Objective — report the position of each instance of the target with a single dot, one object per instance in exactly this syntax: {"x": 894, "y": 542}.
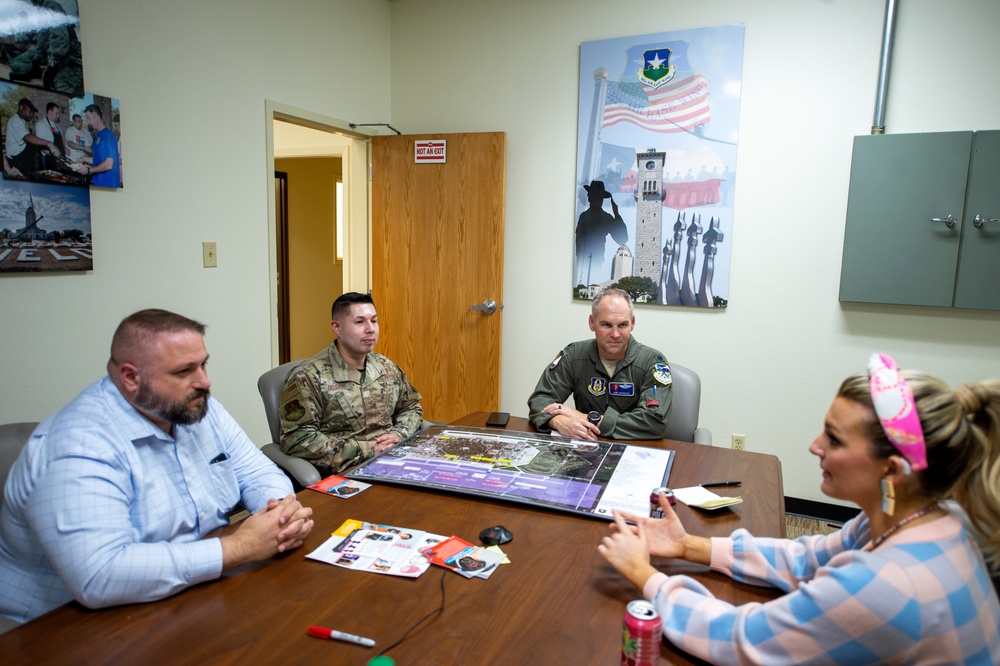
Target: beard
{"x": 181, "y": 412}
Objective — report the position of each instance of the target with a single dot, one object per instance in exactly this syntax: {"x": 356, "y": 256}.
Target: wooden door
{"x": 437, "y": 250}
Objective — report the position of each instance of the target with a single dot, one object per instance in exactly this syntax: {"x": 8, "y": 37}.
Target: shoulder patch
{"x": 293, "y": 410}
{"x": 555, "y": 361}
{"x": 661, "y": 373}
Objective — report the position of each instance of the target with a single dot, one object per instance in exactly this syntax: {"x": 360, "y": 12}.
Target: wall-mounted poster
{"x": 656, "y": 165}
{"x": 51, "y": 138}
{"x": 40, "y": 44}
{"x": 44, "y": 228}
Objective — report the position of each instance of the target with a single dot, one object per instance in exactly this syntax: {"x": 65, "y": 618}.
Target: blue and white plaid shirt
{"x": 104, "y": 507}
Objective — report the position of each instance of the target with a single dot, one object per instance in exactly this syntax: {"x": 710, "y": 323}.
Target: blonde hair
{"x": 962, "y": 431}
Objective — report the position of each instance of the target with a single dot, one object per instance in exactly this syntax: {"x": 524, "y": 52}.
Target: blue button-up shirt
{"x": 104, "y": 507}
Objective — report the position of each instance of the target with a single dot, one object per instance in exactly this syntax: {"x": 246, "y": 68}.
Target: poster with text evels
{"x": 44, "y": 228}
{"x": 656, "y": 166}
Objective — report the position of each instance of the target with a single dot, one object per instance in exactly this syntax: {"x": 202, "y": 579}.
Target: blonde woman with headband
{"x": 904, "y": 582}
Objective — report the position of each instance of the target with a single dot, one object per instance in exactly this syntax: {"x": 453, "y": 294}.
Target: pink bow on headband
{"x": 896, "y": 410}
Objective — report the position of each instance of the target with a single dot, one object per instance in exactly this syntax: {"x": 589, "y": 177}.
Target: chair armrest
{"x": 703, "y": 436}
{"x": 302, "y": 471}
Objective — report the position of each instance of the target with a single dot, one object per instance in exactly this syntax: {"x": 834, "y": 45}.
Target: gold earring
{"x": 888, "y": 496}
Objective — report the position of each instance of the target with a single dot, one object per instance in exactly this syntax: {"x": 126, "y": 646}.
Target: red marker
{"x": 321, "y": 632}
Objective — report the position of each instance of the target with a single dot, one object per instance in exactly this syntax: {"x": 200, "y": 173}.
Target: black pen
{"x": 720, "y": 483}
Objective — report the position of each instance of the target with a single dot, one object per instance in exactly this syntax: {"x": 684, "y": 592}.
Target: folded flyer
{"x": 377, "y": 548}
{"x": 339, "y": 486}
{"x": 464, "y": 558}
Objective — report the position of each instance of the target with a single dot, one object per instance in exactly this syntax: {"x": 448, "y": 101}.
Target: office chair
{"x": 300, "y": 471}
{"x": 13, "y": 437}
{"x": 683, "y": 424}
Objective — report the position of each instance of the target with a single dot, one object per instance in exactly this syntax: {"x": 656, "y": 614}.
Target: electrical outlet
{"x": 739, "y": 442}
{"x": 209, "y": 254}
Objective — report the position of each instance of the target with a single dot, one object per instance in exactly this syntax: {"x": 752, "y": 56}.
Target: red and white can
{"x": 654, "y": 501}
{"x": 641, "y": 635}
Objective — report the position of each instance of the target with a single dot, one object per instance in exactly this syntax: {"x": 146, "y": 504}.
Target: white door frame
{"x": 356, "y": 155}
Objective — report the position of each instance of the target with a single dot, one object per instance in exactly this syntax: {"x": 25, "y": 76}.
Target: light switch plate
{"x": 209, "y": 254}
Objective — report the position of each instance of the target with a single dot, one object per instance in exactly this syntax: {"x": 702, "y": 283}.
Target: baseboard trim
{"x": 821, "y": 510}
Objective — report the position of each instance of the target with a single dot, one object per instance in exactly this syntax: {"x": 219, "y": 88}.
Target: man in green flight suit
{"x": 347, "y": 403}
{"x": 622, "y": 385}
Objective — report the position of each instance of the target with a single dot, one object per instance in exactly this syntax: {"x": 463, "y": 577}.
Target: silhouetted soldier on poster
{"x": 592, "y": 230}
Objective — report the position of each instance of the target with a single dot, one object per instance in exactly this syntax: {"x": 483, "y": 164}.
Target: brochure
{"x": 464, "y": 558}
{"x": 339, "y": 486}
{"x": 377, "y": 548}
{"x": 702, "y": 498}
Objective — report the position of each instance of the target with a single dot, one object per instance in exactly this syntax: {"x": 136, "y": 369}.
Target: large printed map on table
{"x": 589, "y": 478}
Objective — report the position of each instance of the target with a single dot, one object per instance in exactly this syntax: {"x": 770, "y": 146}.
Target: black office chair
{"x": 686, "y": 406}
{"x": 300, "y": 471}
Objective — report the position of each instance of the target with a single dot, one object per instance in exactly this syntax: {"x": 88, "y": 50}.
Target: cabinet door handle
{"x": 948, "y": 221}
{"x": 978, "y": 221}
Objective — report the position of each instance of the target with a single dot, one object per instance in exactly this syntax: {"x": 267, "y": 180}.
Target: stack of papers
{"x": 464, "y": 558}
{"x": 703, "y": 498}
{"x": 377, "y": 548}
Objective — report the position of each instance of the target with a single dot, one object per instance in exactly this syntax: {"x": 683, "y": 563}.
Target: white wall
{"x": 192, "y": 78}
{"x": 772, "y": 362}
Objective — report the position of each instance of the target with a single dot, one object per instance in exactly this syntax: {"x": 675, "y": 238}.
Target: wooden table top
{"x": 557, "y": 602}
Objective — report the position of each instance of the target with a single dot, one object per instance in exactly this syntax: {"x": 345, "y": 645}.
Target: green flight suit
{"x": 330, "y": 413}
{"x": 635, "y": 402}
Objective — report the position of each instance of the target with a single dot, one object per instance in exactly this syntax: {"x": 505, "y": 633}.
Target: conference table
{"x": 557, "y": 602}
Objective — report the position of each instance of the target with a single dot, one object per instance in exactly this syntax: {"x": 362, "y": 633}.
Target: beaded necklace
{"x": 892, "y": 530}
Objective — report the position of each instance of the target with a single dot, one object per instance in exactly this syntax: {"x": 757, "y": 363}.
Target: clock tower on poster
{"x": 649, "y": 214}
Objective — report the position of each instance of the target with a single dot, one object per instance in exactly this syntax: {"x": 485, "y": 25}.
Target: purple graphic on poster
{"x": 591, "y": 478}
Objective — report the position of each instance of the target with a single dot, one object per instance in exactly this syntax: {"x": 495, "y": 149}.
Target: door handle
{"x": 948, "y": 221}
{"x": 489, "y": 307}
{"x": 978, "y": 221}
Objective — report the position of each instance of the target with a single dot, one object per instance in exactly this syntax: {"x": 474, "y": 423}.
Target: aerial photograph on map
{"x": 533, "y": 468}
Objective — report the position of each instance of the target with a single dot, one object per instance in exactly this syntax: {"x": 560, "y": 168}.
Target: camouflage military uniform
{"x": 635, "y": 402}
{"x": 330, "y": 414}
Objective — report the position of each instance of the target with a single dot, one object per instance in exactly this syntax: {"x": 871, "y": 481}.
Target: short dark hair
{"x": 345, "y": 301}
{"x": 136, "y": 332}
{"x": 77, "y": 115}
{"x": 50, "y": 106}
{"x": 93, "y": 108}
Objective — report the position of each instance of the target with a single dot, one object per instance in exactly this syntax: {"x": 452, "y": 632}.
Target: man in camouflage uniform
{"x": 623, "y": 383}
{"x": 347, "y": 403}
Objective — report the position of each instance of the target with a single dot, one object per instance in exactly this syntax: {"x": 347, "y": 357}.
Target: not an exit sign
{"x": 431, "y": 151}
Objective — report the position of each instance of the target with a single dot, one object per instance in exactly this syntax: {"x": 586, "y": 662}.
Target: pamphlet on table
{"x": 377, "y": 548}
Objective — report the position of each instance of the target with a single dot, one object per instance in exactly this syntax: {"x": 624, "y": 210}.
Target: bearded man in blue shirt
{"x": 111, "y": 499}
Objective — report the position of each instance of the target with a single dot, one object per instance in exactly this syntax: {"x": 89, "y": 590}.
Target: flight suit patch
{"x": 661, "y": 373}
{"x": 598, "y": 385}
{"x": 555, "y": 361}
{"x": 622, "y": 388}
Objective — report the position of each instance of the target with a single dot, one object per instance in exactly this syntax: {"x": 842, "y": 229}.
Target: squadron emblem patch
{"x": 555, "y": 361}
{"x": 661, "y": 373}
{"x": 598, "y": 385}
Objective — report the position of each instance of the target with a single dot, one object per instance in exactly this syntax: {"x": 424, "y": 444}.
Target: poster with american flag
{"x": 656, "y": 165}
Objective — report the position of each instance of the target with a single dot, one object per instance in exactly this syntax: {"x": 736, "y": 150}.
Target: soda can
{"x": 641, "y": 635}
{"x": 654, "y": 501}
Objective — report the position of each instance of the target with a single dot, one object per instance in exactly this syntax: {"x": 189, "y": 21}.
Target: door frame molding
{"x": 357, "y": 194}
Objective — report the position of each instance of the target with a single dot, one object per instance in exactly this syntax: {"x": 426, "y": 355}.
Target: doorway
{"x": 312, "y": 261}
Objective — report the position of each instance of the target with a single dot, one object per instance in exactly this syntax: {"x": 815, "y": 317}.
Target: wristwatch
{"x": 594, "y": 417}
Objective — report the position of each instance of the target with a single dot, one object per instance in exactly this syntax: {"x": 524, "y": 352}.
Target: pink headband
{"x": 896, "y": 410}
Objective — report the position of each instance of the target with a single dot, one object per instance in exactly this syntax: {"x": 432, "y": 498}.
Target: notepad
{"x": 703, "y": 498}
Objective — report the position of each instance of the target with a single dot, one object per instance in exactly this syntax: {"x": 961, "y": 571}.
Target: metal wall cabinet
{"x": 898, "y": 245}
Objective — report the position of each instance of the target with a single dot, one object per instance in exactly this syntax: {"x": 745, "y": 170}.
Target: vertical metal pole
{"x": 878, "y": 124}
